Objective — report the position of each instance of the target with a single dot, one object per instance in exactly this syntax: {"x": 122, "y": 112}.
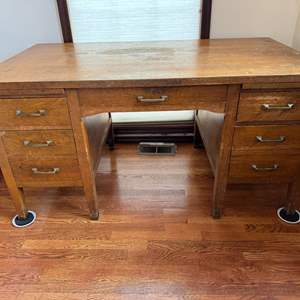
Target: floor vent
{"x": 157, "y": 148}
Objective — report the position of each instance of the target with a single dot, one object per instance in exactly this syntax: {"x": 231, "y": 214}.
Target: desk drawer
{"x": 152, "y": 99}
{"x": 47, "y": 173}
{"x": 277, "y": 106}
{"x": 263, "y": 167}
{"x": 41, "y": 143}
{"x": 34, "y": 113}
{"x": 267, "y": 137}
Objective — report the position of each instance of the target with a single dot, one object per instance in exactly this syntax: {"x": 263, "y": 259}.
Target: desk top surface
{"x": 190, "y": 62}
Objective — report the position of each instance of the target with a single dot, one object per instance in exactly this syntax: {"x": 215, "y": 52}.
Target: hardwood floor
{"x": 154, "y": 240}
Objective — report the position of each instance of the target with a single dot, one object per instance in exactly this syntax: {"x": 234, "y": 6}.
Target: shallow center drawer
{"x": 152, "y": 99}
{"x": 39, "y": 143}
{"x": 34, "y": 113}
{"x": 276, "y": 106}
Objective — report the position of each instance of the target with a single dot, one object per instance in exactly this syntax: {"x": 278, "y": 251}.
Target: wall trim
{"x": 206, "y": 19}
{"x": 65, "y": 23}
{"x": 66, "y": 29}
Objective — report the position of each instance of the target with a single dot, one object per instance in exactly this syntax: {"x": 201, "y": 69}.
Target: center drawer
{"x": 41, "y": 143}
{"x": 152, "y": 99}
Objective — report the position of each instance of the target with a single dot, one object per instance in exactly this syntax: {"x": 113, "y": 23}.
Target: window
{"x": 134, "y": 20}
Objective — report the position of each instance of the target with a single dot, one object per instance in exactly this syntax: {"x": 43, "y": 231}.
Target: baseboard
{"x": 171, "y": 131}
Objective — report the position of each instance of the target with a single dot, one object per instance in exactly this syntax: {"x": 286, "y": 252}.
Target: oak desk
{"x": 55, "y": 101}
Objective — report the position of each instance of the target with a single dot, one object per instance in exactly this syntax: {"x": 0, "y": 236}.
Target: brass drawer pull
{"x": 258, "y": 169}
{"x": 268, "y": 107}
{"x": 261, "y": 139}
{"x": 50, "y": 172}
{"x": 38, "y": 145}
{"x": 145, "y": 100}
{"x": 39, "y": 113}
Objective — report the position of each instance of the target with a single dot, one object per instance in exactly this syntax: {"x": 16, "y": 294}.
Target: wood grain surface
{"x": 68, "y": 175}
{"x": 271, "y": 138}
{"x": 56, "y": 114}
{"x": 155, "y": 239}
{"x": 83, "y": 148}
{"x": 224, "y": 153}
{"x": 251, "y": 106}
{"x": 161, "y": 63}
{"x": 62, "y": 143}
{"x": 285, "y": 166}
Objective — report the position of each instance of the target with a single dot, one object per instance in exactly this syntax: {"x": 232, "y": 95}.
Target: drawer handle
{"x": 38, "y": 145}
{"x": 268, "y": 107}
{"x": 263, "y": 169}
{"x": 50, "y": 172}
{"x": 39, "y": 113}
{"x": 261, "y": 139}
{"x": 145, "y": 100}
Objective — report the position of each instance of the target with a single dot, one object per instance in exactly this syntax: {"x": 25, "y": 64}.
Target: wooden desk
{"x": 55, "y": 100}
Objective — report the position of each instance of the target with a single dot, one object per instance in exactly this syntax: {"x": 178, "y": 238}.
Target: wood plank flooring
{"x": 155, "y": 239}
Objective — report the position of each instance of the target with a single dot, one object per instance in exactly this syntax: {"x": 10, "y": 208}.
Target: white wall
{"x": 296, "y": 43}
{"x": 255, "y": 18}
{"x": 27, "y": 22}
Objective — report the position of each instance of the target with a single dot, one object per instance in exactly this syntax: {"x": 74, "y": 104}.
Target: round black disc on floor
{"x": 287, "y": 217}
{"x": 20, "y": 222}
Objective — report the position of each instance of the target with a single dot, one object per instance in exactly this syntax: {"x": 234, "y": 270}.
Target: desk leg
{"x": 289, "y": 213}
{"x": 222, "y": 167}
{"x": 83, "y": 154}
{"x": 24, "y": 217}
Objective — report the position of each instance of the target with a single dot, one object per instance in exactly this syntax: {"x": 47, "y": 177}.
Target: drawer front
{"x": 43, "y": 143}
{"x": 264, "y": 167}
{"x": 34, "y": 113}
{"x": 279, "y": 106}
{"x": 267, "y": 137}
{"x": 151, "y": 99}
{"x": 47, "y": 173}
